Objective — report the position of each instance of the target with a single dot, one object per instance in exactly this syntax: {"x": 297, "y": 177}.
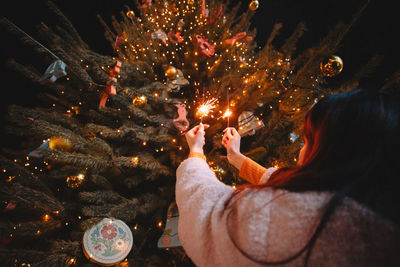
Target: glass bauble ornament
{"x": 331, "y": 66}
{"x": 254, "y": 5}
{"x": 74, "y": 181}
{"x": 171, "y": 72}
{"x": 130, "y": 14}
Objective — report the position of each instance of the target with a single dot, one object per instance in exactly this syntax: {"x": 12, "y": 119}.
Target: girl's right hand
{"x": 231, "y": 141}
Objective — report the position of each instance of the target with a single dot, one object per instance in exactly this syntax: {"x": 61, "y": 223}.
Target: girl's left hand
{"x": 195, "y": 138}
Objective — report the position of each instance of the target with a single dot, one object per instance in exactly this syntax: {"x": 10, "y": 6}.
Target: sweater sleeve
{"x": 254, "y": 173}
{"x": 200, "y": 198}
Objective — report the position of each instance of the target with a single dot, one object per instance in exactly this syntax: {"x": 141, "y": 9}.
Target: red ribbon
{"x": 204, "y": 10}
{"x": 111, "y": 89}
{"x": 146, "y": 4}
{"x": 117, "y": 39}
{"x": 239, "y": 36}
{"x": 175, "y": 38}
{"x": 211, "y": 20}
{"x": 205, "y": 48}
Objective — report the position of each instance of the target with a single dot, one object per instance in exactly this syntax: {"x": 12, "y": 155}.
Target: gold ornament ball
{"x": 60, "y": 144}
{"x": 139, "y": 100}
{"x": 331, "y": 66}
{"x": 74, "y": 181}
{"x": 254, "y": 5}
{"x": 130, "y": 14}
{"x": 171, "y": 72}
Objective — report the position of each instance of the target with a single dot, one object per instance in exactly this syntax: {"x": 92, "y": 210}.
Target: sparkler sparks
{"x": 206, "y": 108}
{"x": 227, "y": 113}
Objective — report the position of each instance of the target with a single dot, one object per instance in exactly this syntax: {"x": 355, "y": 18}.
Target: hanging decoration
{"x": 180, "y": 25}
{"x": 239, "y": 36}
{"x": 212, "y": 20}
{"x": 181, "y": 123}
{"x": 11, "y": 205}
{"x": 61, "y": 144}
{"x": 175, "y": 84}
{"x": 53, "y": 143}
{"x": 170, "y": 238}
{"x": 293, "y": 137}
{"x": 248, "y": 123}
{"x": 74, "y": 181}
{"x": 111, "y": 84}
{"x": 205, "y": 48}
{"x": 55, "y": 70}
{"x": 171, "y": 72}
{"x": 160, "y": 34}
{"x": 204, "y": 9}
{"x": 130, "y": 14}
{"x": 254, "y": 5}
{"x": 139, "y": 100}
{"x": 107, "y": 242}
{"x": 175, "y": 38}
{"x": 36, "y": 153}
{"x": 117, "y": 41}
{"x": 146, "y": 4}
{"x": 331, "y": 66}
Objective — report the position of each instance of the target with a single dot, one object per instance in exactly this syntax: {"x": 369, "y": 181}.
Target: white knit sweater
{"x": 272, "y": 225}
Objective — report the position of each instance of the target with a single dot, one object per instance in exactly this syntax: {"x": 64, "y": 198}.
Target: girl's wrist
{"x": 236, "y": 159}
{"x": 196, "y": 150}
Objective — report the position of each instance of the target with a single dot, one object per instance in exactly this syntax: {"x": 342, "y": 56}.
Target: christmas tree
{"x": 108, "y": 134}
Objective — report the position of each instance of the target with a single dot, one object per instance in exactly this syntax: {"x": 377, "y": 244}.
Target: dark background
{"x": 373, "y": 33}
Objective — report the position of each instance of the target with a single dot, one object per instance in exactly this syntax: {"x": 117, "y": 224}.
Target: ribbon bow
{"x": 211, "y": 20}
{"x": 205, "y": 48}
{"x": 111, "y": 84}
{"x": 175, "y": 38}
{"x": 204, "y": 10}
{"x": 146, "y": 4}
{"x": 239, "y": 36}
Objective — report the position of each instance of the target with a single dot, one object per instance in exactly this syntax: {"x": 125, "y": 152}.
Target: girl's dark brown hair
{"x": 352, "y": 149}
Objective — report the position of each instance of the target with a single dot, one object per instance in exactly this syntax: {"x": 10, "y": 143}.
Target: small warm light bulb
{"x": 135, "y": 160}
{"x": 159, "y": 224}
{"x": 46, "y": 218}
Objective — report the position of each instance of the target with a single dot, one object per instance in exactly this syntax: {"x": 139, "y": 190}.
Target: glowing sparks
{"x": 227, "y": 113}
{"x": 206, "y": 108}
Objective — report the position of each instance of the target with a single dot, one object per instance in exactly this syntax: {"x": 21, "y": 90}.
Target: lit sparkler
{"x": 227, "y": 113}
{"x": 206, "y": 108}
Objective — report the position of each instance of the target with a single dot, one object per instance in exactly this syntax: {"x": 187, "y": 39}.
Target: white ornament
{"x": 108, "y": 242}
{"x": 170, "y": 236}
{"x": 248, "y": 123}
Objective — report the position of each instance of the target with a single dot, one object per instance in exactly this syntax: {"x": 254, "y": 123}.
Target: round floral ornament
{"x": 107, "y": 242}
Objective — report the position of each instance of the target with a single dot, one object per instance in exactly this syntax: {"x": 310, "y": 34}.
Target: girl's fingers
{"x": 235, "y": 132}
{"x": 229, "y": 133}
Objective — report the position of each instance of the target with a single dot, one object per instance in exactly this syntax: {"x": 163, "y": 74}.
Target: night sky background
{"x": 375, "y": 32}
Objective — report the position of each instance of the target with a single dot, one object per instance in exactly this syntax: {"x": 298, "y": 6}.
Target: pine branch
{"x": 67, "y": 24}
